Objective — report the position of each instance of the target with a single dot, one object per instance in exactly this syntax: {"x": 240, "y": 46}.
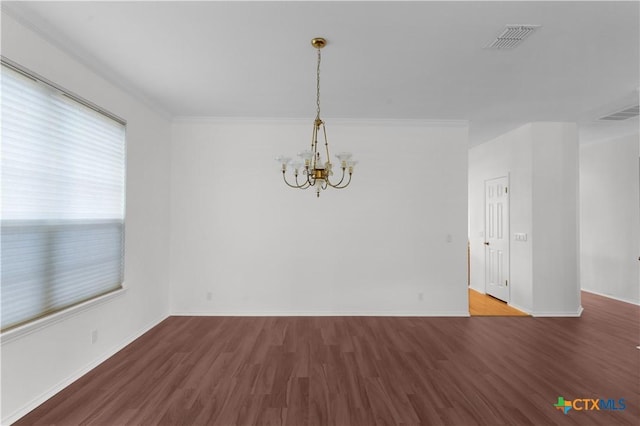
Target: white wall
{"x": 36, "y": 365}
{"x": 261, "y": 248}
{"x": 609, "y": 218}
{"x": 555, "y": 231}
{"x": 541, "y": 160}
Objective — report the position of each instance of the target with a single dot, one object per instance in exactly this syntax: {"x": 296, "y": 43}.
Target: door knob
{"x": 486, "y": 243}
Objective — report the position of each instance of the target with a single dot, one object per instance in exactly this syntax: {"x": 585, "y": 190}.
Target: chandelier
{"x": 316, "y": 172}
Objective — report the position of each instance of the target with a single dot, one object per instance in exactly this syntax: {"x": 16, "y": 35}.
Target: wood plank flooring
{"x": 485, "y": 305}
{"x": 363, "y": 371}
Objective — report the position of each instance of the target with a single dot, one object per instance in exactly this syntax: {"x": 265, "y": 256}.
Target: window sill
{"x": 39, "y": 324}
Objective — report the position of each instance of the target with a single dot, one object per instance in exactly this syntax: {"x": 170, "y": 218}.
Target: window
{"x": 62, "y": 213}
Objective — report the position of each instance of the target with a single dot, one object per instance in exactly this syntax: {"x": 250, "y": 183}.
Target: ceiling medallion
{"x": 316, "y": 172}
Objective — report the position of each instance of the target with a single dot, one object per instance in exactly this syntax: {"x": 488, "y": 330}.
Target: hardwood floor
{"x": 364, "y": 371}
{"x": 487, "y": 306}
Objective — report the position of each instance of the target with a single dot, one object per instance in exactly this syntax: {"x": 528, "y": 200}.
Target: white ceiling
{"x": 387, "y": 60}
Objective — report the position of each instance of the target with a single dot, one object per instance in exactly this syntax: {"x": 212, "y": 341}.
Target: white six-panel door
{"x": 497, "y": 237}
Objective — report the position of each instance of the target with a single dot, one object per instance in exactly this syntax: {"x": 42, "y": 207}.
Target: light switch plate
{"x": 518, "y": 236}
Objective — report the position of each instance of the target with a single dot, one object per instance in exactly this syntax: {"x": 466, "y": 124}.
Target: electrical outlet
{"x": 209, "y": 295}
{"x": 449, "y": 238}
{"x": 421, "y": 296}
{"x": 94, "y": 336}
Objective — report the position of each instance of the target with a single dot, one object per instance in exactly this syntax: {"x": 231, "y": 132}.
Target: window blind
{"x": 63, "y": 193}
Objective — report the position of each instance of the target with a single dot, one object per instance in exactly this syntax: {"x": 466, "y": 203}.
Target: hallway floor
{"x": 483, "y": 305}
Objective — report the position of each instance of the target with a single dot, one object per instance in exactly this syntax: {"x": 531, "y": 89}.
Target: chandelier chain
{"x": 318, "y": 87}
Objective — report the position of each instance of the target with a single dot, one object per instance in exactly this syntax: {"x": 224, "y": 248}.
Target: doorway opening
{"x": 495, "y": 299}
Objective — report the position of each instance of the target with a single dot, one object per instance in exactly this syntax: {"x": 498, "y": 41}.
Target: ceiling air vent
{"x": 630, "y": 112}
{"x": 512, "y": 36}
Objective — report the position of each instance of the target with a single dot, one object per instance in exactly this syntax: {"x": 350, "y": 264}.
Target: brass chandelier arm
{"x": 341, "y": 179}
{"x": 284, "y": 177}
{"x": 343, "y": 186}
{"x": 307, "y": 183}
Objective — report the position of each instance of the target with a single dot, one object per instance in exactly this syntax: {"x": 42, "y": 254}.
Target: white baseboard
{"x": 322, "y": 314}
{"x": 637, "y": 303}
{"x": 558, "y": 314}
{"x": 49, "y": 393}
